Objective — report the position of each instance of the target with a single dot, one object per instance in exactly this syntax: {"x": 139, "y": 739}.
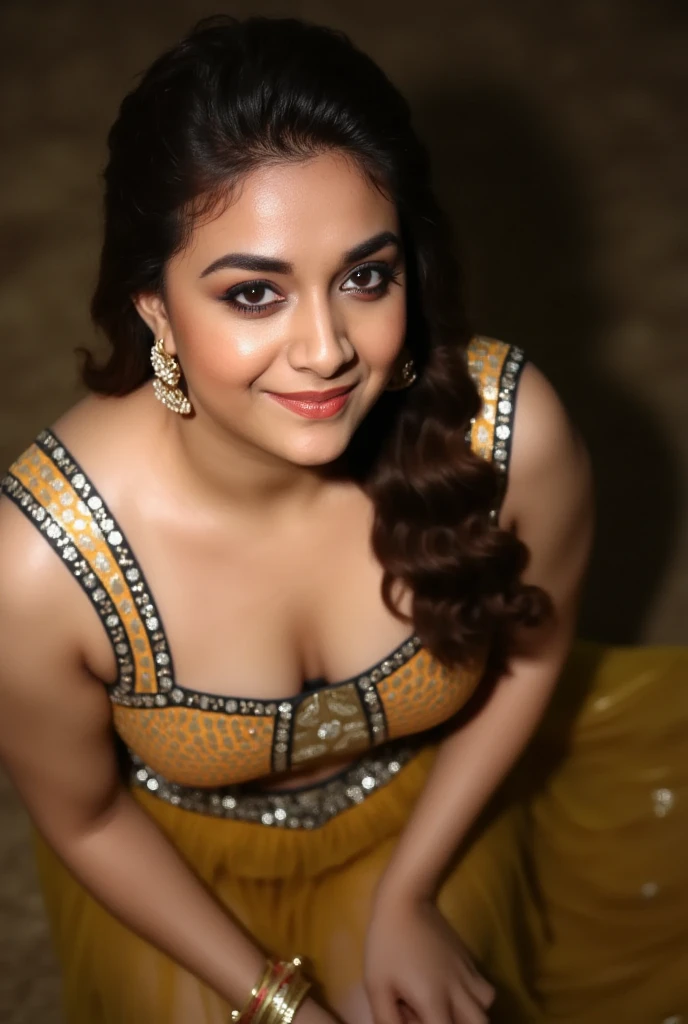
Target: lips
{"x": 313, "y": 396}
{"x": 314, "y": 405}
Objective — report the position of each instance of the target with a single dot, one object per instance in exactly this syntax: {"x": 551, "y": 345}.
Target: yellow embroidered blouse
{"x": 194, "y": 739}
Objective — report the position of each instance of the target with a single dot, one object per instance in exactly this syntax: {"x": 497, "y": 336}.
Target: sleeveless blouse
{"x": 195, "y": 748}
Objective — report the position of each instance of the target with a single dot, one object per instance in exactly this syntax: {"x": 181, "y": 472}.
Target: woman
{"x": 320, "y": 484}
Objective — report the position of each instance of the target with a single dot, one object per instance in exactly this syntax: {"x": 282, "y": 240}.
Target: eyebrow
{"x": 270, "y": 265}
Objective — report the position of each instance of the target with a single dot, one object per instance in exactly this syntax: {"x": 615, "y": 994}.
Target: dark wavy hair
{"x": 230, "y": 96}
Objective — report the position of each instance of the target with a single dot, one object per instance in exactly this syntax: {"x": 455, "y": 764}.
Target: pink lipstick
{"x": 314, "y": 405}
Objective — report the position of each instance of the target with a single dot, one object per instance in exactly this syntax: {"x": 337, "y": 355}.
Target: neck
{"x": 225, "y": 471}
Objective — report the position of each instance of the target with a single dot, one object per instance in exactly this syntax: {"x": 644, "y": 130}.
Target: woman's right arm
{"x": 56, "y": 742}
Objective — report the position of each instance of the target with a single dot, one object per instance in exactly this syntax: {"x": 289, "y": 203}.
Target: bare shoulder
{"x": 548, "y": 455}
{"x": 544, "y": 433}
{"x": 41, "y": 608}
{"x": 44, "y": 614}
{"x": 98, "y": 426}
{"x": 30, "y": 573}
{"x": 39, "y": 596}
{"x": 34, "y": 585}
{"x": 100, "y": 430}
{"x": 549, "y": 496}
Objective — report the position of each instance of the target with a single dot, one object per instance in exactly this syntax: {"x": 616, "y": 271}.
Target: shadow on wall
{"x": 528, "y": 246}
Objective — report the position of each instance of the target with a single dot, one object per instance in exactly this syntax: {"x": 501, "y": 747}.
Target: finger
{"x": 385, "y": 1005}
{"x": 470, "y": 963}
{"x": 407, "y": 1014}
{"x": 478, "y": 986}
{"x": 480, "y": 989}
{"x": 465, "y": 1009}
{"x": 428, "y": 1011}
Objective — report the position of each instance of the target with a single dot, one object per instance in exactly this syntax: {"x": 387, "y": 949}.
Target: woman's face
{"x": 294, "y": 291}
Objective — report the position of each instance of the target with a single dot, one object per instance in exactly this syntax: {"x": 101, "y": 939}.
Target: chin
{"x": 316, "y": 453}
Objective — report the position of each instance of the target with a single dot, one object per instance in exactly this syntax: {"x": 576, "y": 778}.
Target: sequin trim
{"x": 50, "y": 487}
{"x": 506, "y": 407}
{"x": 495, "y": 369}
{"x": 145, "y": 669}
{"x": 309, "y": 808}
{"x": 283, "y": 710}
{"x": 80, "y": 568}
{"x": 157, "y": 679}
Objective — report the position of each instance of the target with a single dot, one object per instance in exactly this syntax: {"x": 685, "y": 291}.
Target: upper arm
{"x": 549, "y": 497}
{"x": 55, "y": 727}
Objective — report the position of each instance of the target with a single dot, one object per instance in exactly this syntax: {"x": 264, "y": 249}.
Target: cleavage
{"x": 241, "y": 625}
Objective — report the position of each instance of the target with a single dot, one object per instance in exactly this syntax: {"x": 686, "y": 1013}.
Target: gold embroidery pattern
{"x": 195, "y": 738}
{"x": 196, "y": 748}
{"x": 424, "y": 694}
{"x": 329, "y": 723}
{"x": 76, "y": 523}
{"x": 372, "y": 706}
{"x": 190, "y": 737}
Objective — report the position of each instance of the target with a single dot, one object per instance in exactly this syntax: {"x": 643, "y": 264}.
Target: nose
{"x": 320, "y": 341}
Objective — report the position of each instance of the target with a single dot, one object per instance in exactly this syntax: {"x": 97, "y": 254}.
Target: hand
{"x": 311, "y": 1012}
{"x": 417, "y": 971}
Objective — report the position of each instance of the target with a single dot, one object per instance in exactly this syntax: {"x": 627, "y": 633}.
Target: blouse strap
{"x": 495, "y": 368}
{"x": 53, "y": 492}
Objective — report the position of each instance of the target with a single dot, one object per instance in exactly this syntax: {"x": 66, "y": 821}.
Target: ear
{"x": 151, "y": 308}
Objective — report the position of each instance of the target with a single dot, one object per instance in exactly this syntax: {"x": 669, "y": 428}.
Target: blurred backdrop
{"x": 561, "y": 152}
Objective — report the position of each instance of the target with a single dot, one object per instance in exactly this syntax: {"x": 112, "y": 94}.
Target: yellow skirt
{"x": 572, "y": 897}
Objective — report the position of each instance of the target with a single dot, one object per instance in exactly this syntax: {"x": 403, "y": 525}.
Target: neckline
{"x": 163, "y": 667}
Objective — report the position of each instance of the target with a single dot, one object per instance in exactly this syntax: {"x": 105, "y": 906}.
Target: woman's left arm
{"x": 549, "y": 504}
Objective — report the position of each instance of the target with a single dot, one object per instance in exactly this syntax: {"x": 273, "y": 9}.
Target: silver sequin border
{"x": 308, "y": 808}
{"x": 505, "y": 408}
{"x": 169, "y": 693}
{"x": 122, "y": 692}
{"x": 61, "y": 543}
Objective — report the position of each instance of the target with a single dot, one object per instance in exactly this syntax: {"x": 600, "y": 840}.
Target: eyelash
{"x": 388, "y": 274}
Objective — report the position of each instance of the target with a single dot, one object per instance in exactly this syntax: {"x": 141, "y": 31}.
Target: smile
{"x": 314, "y": 405}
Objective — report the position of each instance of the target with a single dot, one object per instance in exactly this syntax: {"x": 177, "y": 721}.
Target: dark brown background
{"x": 561, "y": 150}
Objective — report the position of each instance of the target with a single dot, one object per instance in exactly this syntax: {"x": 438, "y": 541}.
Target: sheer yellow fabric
{"x": 610, "y": 835}
{"x": 572, "y": 895}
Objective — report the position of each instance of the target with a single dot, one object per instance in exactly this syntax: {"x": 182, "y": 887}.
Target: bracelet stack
{"x": 277, "y": 996}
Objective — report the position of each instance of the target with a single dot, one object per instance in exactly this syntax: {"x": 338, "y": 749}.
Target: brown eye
{"x": 254, "y": 295}
{"x": 362, "y": 278}
{"x": 366, "y": 279}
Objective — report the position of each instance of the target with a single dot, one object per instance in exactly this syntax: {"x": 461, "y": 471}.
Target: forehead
{"x": 318, "y": 207}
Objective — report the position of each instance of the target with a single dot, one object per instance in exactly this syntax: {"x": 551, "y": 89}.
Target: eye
{"x": 253, "y": 296}
{"x": 368, "y": 279}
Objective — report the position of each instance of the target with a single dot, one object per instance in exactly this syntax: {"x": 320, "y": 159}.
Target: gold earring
{"x": 167, "y": 374}
{"x": 404, "y": 377}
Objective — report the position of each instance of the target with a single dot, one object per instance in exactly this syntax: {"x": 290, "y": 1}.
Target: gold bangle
{"x": 283, "y": 989}
{"x": 291, "y": 1000}
{"x": 246, "y": 1014}
{"x": 266, "y": 1011}
{"x": 296, "y": 999}
{"x": 278, "y": 1006}
{"x": 282, "y": 975}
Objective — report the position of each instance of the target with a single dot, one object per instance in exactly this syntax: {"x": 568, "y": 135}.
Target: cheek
{"x": 216, "y": 347}
{"x": 381, "y": 334}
